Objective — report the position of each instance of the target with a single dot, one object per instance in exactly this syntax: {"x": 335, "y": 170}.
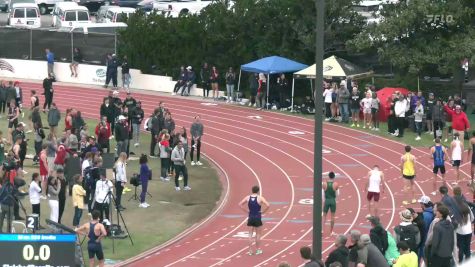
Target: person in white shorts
{"x": 456, "y": 149}
{"x": 373, "y": 189}
{"x": 366, "y": 106}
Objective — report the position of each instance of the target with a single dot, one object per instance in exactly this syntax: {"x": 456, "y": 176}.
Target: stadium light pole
{"x": 317, "y": 161}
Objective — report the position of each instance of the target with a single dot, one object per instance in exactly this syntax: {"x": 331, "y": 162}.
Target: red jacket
{"x": 108, "y": 125}
{"x": 61, "y": 153}
{"x": 459, "y": 120}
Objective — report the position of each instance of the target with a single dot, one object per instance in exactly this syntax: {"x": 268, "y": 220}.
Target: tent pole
{"x": 292, "y": 104}
{"x": 267, "y": 97}
{"x": 239, "y": 81}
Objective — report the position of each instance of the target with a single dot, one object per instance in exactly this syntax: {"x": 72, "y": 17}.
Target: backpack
{"x": 6, "y": 194}
{"x": 88, "y": 179}
{"x": 408, "y": 234}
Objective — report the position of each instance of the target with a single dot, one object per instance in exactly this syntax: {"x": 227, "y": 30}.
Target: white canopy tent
{"x": 333, "y": 67}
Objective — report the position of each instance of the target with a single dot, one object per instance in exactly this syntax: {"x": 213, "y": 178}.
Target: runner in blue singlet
{"x": 95, "y": 231}
{"x": 256, "y": 206}
{"x": 438, "y": 153}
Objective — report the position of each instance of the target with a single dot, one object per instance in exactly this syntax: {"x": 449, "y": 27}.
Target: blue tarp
{"x": 274, "y": 64}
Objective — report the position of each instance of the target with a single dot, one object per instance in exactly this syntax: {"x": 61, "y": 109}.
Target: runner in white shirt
{"x": 373, "y": 187}
{"x": 456, "y": 149}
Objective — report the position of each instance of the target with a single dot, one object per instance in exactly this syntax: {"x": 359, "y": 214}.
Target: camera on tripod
{"x": 135, "y": 180}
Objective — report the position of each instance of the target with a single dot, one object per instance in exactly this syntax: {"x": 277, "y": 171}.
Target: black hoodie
{"x": 379, "y": 238}
{"x": 443, "y": 239}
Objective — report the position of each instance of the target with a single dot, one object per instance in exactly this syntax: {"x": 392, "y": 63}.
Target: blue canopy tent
{"x": 271, "y": 65}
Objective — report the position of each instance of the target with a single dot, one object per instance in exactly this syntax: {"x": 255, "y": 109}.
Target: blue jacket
{"x": 50, "y": 58}
{"x": 428, "y": 216}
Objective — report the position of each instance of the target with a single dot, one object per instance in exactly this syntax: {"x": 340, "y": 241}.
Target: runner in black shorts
{"x": 256, "y": 206}
{"x": 95, "y": 231}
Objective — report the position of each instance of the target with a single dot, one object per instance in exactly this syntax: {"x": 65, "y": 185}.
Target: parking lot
{"x": 46, "y": 20}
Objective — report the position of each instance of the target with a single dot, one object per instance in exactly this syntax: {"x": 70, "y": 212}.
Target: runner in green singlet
{"x": 330, "y": 190}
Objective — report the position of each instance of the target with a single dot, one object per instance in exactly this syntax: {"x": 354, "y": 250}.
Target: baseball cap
{"x": 188, "y": 68}
{"x": 365, "y": 239}
{"x": 424, "y": 200}
{"x": 374, "y": 220}
{"x": 21, "y": 124}
{"x": 121, "y": 117}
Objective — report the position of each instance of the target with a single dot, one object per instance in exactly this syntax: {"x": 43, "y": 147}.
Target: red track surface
{"x": 261, "y": 151}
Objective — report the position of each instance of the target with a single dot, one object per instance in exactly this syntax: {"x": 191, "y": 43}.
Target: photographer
{"x": 102, "y": 197}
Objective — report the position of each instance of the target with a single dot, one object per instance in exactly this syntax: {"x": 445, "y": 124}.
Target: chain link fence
{"x": 31, "y": 44}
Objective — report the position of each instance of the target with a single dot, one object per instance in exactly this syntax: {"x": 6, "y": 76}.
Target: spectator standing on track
{"x": 154, "y": 131}
{"x": 428, "y": 108}
{"x": 379, "y": 236}
{"x": 428, "y": 217}
{"x": 327, "y": 95}
{"x": 48, "y": 91}
{"x": 460, "y": 122}
{"x": 343, "y": 100}
{"x": 256, "y": 206}
{"x": 438, "y": 119}
{"x": 366, "y": 106}
{"x": 50, "y": 61}
{"x": 253, "y": 85}
{"x": 214, "y": 80}
{"x": 137, "y": 117}
{"x": 442, "y": 239}
{"x": 145, "y": 175}
{"x": 306, "y": 254}
{"x": 230, "y": 81}
{"x": 196, "y": 131}
{"x": 368, "y": 253}
{"x": 418, "y": 220}
{"x": 438, "y": 153}
{"x": 330, "y": 190}
{"x": 261, "y": 92}
{"x": 77, "y": 58}
{"x": 125, "y": 69}
{"x": 448, "y": 117}
{"x": 408, "y": 172}
{"x": 464, "y": 231}
{"x": 418, "y": 116}
{"x": 353, "y": 247}
{"x": 205, "y": 80}
{"x": 456, "y": 151}
{"x": 340, "y": 253}
{"x": 392, "y": 252}
{"x": 373, "y": 187}
{"x": 400, "y": 109}
{"x": 355, "y": 107}
{"x": 178, "y": 158}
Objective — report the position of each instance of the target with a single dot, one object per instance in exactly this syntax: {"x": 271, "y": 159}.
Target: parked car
{"x": 119, "y": 14}
{"x": 12, "y": 2}
{"x": 4, "y": 5}
{"x": 24, "y": 15}
{"x": 70, "y": 16}
{"x": 102, "y": 12}
{"x": 109, "y": 28}
{"x": 125, "y": 3}
{"x": 174, "y": 8}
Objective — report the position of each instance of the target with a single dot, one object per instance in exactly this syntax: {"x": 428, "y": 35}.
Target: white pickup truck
{"x": 175, "y": 8}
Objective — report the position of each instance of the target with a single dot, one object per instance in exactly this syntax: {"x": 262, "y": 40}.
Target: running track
{"x": 260, "y": 150}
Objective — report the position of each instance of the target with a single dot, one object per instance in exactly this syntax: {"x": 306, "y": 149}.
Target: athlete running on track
{"x": 256, "y": 206}
{"x": 456, "y": 148}
{"x": 330, "y": 190}
{"x": 408, "y": 171}
{"x": 438, "y": 152}
{"x": 95, "y": 231}
{"x": 471, "y": 156}
{"x": 373, "y": 187}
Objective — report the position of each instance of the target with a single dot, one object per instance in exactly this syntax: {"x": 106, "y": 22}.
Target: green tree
{"x": 422, "y": 36}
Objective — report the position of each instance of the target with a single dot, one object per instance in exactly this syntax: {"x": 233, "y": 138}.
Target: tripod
{"x": 135, "y": 196}
{"x": 111, "y": 196}
{"x": 11, "y": 215}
